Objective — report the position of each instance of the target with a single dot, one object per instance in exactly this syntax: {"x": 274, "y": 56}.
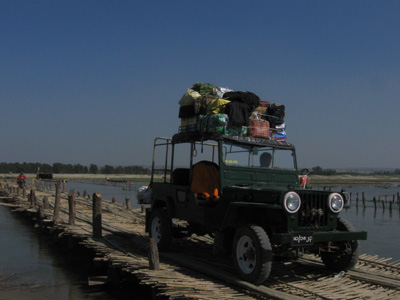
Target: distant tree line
{"x": 60, "y": 168}
{"x": 320, "y": 171}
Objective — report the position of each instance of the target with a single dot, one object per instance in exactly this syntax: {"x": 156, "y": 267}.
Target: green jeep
{"x": 246, "y": 193}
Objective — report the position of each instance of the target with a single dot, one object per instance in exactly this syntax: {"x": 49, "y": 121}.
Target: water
{"x": 109, "y": 190}
{"x": 383, "y": 226}
{"x": 32, "y": 268}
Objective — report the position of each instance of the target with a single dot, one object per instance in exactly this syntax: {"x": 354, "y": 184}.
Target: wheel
{"x": 252, "y": 253}
{"x": 161, "y": 228}
{"x": 345, "y": 254}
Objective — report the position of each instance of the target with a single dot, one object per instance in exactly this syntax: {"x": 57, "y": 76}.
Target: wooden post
{"x": 113, "y": 200}
{"x": 142, "y": 209}
{"x": 41, "y": 214}
{"x": 78, "y": 194}
{"x": 35, "y": 199}
{"x": 97, "y": 233}
{"x": 31, "y": 197}
{"x": 46, "y": 202}
{"x": 71, "y": 205}
{"x": 64, "y": 186}
{"x": 374, "y": 202}
{"x": 57, "y": 202}
{"x": 357, "y": 200}
{"x": 363, "y": 199}
{"x": 84, "y": 193}
{"x": 152, "y": 252}
{"x": 128, "y": 202}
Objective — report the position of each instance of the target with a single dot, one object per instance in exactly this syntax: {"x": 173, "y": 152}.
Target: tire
{"x": 161, "y": 228}
{"x": 252, "y": 254}
{"x": 347, "y": 253}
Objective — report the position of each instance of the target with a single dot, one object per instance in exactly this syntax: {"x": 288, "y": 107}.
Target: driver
{"x": 265, "y": 160}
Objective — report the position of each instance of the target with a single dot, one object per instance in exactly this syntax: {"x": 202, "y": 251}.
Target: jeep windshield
{"x": 258, "y": 156}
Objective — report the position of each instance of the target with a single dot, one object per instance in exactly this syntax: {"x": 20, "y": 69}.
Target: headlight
{"x": 336, "y": 202}
{"x": 292, "y": 202}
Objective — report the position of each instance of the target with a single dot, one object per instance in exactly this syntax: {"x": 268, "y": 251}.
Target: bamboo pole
{"x": 97, "y": 230}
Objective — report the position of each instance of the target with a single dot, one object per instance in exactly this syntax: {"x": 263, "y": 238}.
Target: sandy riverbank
{"x": 354, "y": 179}
{"x": 91, "y": 177}
{"x": 334, "y": 179}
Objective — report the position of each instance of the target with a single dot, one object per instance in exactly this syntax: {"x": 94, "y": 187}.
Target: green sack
{"x": 204, "y": 88}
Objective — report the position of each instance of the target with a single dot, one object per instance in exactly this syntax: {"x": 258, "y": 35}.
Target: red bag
{"x": 259, "y": 128}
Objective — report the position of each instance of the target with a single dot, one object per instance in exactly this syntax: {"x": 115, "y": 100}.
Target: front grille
{"x": 313, "y": 212}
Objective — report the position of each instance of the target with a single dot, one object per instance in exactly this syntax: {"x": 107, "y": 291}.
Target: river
{"x": 31, "y": 267}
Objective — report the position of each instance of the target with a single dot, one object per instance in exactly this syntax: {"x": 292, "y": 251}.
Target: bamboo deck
{"x": 189, "y": 271}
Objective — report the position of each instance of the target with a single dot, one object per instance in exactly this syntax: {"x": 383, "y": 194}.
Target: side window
{"x": 205, "y": 151}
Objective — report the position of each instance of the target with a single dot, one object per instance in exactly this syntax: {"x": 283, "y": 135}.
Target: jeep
{"x": 249, "y": 195}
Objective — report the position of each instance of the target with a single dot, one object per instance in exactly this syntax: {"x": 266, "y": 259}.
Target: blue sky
{"x": 95, "y": 81}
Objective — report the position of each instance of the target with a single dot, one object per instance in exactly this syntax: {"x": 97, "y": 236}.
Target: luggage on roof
{"x": 207, "y": 108}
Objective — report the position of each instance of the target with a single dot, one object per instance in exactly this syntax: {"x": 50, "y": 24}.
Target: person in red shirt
{"x": 21, "y": 180}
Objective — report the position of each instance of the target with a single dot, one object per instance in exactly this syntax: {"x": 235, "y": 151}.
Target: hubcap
{"x": 246, "y": 254}
{"x": 156, "y": 229}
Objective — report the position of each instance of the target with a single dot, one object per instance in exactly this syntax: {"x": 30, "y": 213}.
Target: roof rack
{"x": 197, "y": 136}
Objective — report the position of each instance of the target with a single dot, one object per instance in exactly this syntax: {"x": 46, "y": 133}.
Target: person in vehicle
{"x": 265, "y": 160}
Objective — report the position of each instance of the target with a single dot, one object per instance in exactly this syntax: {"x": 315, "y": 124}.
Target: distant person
{"x": 21, "y": 180}
{"x": 265, "y": 160}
